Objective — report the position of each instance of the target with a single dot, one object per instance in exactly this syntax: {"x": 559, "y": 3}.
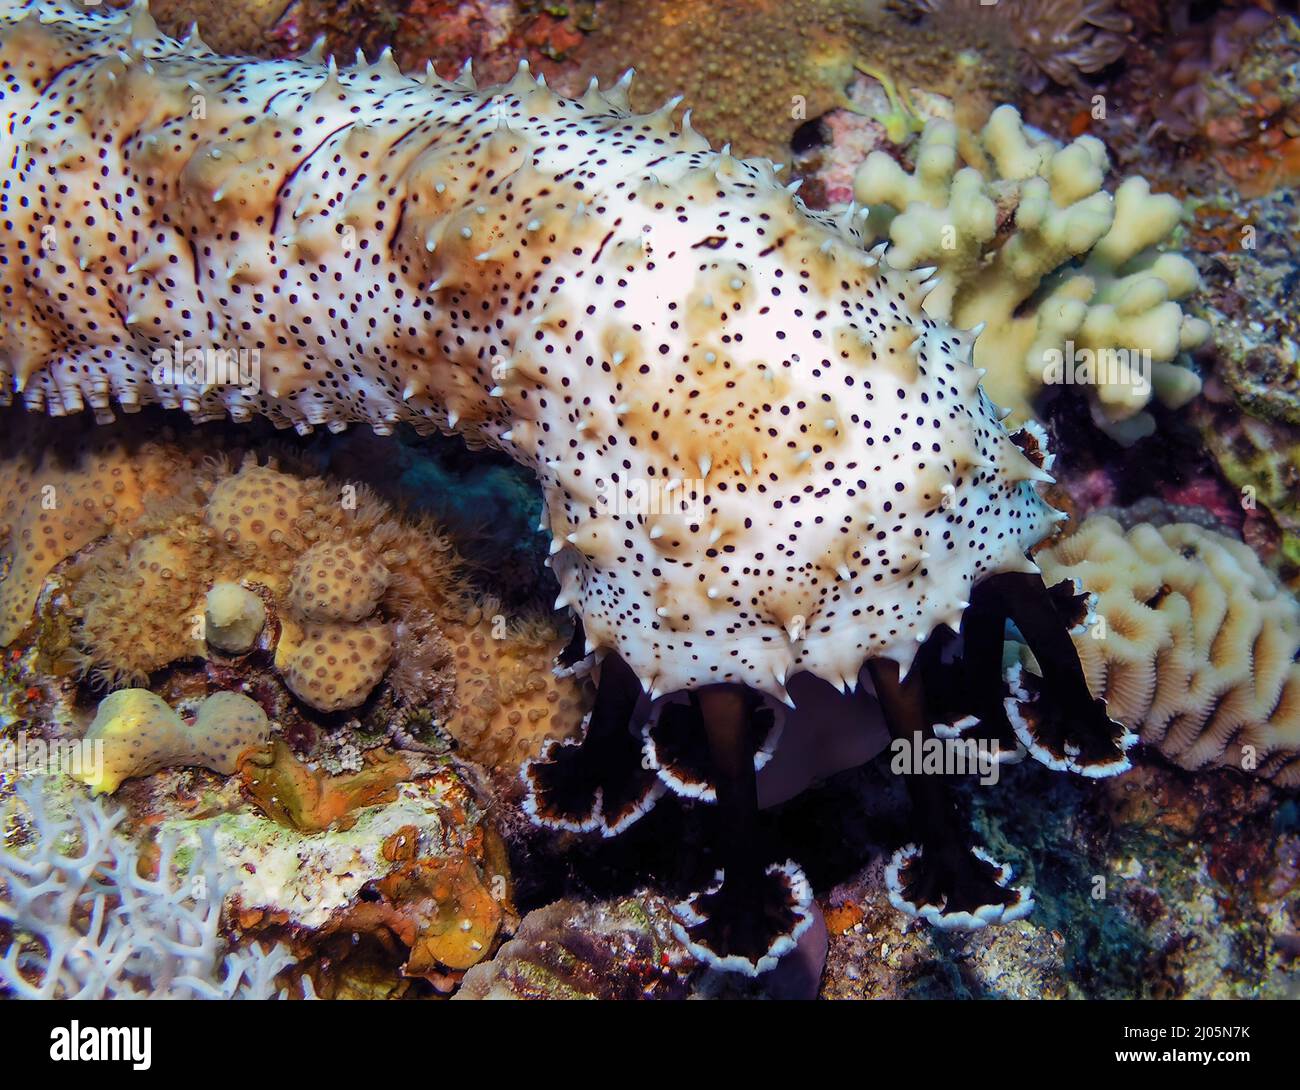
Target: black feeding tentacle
{"x": 1055, "y": 715}
{"x": 755, "y": 912}
{"x": 941, "y": 875}
{"x": 600, "y": 783}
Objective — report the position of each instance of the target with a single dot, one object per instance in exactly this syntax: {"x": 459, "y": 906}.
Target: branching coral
{"x": 1061, "y": 38}
{"x": 1194, "y": 645}
{"x": 1069, "y": 283}
{"x": 86, "y": 925}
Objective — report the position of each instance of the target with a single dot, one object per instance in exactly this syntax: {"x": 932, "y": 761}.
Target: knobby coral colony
{"x": 613, "y": 303}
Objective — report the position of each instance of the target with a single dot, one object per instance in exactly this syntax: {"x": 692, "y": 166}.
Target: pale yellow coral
{"x": 139, "y": 605}
{"x": 508, "y": 703}
{"x": 233, "y": 618}
{"x": 140, "y": 734}
{"x": 255, "y": 512}
{"x": 333, "y": 667}
{"x": 337, "y": 582}
{"x": 1069, "y": 282}
{"x": 49, "y": 509}
{"x": 1194, "y": 644}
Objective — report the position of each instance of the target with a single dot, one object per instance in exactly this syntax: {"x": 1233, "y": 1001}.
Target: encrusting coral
{"x": 85, "y": 924}
{"x": 334, "y": 666}
{"x": 206, "y": 562}
{"x": 1059, "y": 38}
{"x": 1193, "y": 644}
{"x": 760, "y": 455}
{"x": 394, "y": 850}
{"x": 807, "y": 50}
{"x": 1066, "y": 283}
{"x": 509, "y": 701}
{"x": 50, "y": 510}
{"x": 337, "y": 582}
{"x": 140, "y": 734}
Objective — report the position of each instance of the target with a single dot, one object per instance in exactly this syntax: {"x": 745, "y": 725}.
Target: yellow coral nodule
{"x": 140, "y": 734}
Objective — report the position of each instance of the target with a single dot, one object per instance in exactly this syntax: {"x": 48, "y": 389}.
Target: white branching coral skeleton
{"x": 607, "y": 299}
{"x": 84, "y": 924}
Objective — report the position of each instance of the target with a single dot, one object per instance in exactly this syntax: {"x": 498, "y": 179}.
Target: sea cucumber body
{"x": 758, "y": 455}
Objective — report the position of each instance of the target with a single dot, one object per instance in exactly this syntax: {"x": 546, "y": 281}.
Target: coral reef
{"x": 209, "y": 564}
{"x": 140, "y": 734}
{"x": 836, "y": 518}
{"x": 49, "y": 511}
{"x": 1249, "y": 418}
{"x": 314, "y": 799}
{"x": 1235, "y": 83}
{"x": 234, "y": 26}
{"x": 85, "y": 924}
{"x": 1155, "y": 885}
{"x": 1194, "y": 646}
{"x": 407, "y": 860}
{"x": 807, "y": 50}
{"x": 572, "y": 950}
{"x": 337, "y": 582}
{"x": 1051, "y": 267}
{"x": 334, "y": 666}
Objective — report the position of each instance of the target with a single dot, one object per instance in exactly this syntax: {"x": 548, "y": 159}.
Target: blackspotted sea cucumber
{"x": 759, "y": 457}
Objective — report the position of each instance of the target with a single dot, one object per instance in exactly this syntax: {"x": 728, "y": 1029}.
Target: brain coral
{"x": 1029, "y": 244}
{"x": 596, "y": 292}
{"x": 1196, "y": 646}
{"x": 140, "y": 734}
